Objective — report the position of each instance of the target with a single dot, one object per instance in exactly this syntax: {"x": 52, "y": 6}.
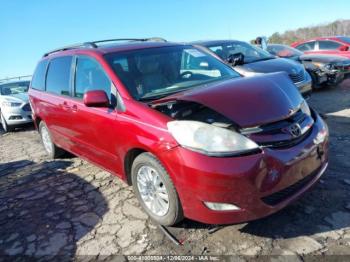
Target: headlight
{"x": 11, "y": 104}
{"x": 305, "y": 108}
{"x": 209, "y": 139}
{"x": 329, "y": 67}
{"x": 318, "y": 64}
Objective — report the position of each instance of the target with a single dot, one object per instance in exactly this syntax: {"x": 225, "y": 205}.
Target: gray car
{"x": 15, "y": 109}
{"x": 249, "y": 60}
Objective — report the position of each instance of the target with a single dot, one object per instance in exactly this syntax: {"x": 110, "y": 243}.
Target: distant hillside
{"x": 339, "y": 27}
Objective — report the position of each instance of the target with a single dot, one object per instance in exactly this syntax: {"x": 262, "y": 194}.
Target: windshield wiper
{"x": 261, "y": 59}
{"x": 149, "y": 97}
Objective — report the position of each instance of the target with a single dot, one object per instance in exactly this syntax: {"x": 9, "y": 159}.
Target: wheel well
{"x": 37, "y": 122}
{"x": 128, "y": 160}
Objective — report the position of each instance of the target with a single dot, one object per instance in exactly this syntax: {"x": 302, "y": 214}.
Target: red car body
{"x": 260, "y": 183}
{"x": 336, "y": 45}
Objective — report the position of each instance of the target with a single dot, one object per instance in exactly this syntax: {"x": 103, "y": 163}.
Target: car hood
{"x": 249, "y": 101}
{"x": 20, "y": 98}
{"x": 274, "y": 65}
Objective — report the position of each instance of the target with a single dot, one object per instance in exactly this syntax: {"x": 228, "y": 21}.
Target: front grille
{"x": 278, "y": 129}
{"x": 298, "y": 77}
{"x": 282, "y": 195}
{"x": 287, "y": 143}
{"x": 27, "y": 108}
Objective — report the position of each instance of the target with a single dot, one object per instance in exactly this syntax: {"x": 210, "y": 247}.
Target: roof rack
{"x": 86, "y": 45}
{"x": 14, "y": 78}
{"x": 93, "y": 44}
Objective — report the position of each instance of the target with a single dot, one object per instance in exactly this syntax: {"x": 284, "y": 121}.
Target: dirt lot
{"x": 69, "y": 207}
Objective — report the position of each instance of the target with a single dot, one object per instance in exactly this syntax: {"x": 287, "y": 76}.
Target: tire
{"x": 5, "y": 126}
{"x": 315, "y": 84}
{"x": 148, "y": 162}
{"x": 51, "y": 149}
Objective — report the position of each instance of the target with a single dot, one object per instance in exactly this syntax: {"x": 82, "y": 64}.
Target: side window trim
{"x": 73, "y": 77}
{"x": 45, "y": 75}
{"x": 316, "y": 47}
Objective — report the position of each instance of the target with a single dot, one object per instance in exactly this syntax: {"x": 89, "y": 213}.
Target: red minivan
{"x": 191, "y": 136}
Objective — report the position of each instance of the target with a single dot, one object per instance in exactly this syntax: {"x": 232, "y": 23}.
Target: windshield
{"x": 283, "y": 51}
{"x": 14, "y": 88}
{"x": 345, "y": 39}
{"x": 155, "y": 72}
{"x": 250, "y": 52}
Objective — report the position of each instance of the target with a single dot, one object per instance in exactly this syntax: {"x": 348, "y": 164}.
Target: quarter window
{"x": 38, "y": 80}
{"x": 90, "y": 76}
{"x": 58, "y": 76}
{"x": 328, "y": 45}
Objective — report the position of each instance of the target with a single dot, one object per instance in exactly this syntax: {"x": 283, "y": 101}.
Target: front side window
{"x": 155, "y": 72}
{"x": 309, "y": 46}
{"x": 90, "y": 76}
{"x": 251, "y": 53}
{"x": 58, "y": 76}
{"x": 38, "y": 80}
{"x": 14, "y": 88}
{"x": 328, "y": 45}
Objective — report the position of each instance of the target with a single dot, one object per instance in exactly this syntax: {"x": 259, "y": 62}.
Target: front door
{"x": 95, "y": 128}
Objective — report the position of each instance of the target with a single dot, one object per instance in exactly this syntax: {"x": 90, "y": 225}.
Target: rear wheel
{"x": 4, "y": 125}
{"x": 155, "y": 190}
{"x": 51, "y": 149}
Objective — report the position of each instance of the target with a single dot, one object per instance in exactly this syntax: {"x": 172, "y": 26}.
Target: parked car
{"x": 324, "y": 69}
{"x": 337, "y": 45}
{"x": 249, "y": 60}
{"x": 191, "y": 136}
{"x": 14, "y": 104}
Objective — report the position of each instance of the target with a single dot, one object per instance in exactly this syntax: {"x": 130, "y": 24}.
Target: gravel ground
{"x": 70, "y": 207}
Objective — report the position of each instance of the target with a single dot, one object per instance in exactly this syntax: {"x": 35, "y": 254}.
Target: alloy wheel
{"x": 152, "y": 190}
{"x": 45, "y": 136}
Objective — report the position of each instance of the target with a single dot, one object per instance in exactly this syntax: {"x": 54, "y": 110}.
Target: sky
{"x": 29, "y": 28}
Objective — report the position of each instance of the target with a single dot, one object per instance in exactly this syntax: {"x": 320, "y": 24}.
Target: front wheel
{"x": 4, "y": 125}
{"x": 155, "y": 190}
{"x": 51, "y": 149}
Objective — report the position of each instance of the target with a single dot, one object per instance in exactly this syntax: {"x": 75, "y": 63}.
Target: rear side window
{"x": 328, "y": 45}
{"x": 309, "y": 46}
{"x": 58, "y": 76}
{"x": 38, "y": 80}
{"x": 90, "y": 76}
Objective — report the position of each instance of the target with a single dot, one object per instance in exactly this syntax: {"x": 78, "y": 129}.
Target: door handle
{"x": 74, "y": 108}
{"x": 65, "y": 106}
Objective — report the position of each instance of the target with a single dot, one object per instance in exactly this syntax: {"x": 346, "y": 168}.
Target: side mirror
{"x": 96, "y": 98}
{"x": 344, "y": 48}
{"x": 236, "y": 59}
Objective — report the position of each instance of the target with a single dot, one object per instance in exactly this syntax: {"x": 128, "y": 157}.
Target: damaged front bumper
{"x": 257, "y": 184}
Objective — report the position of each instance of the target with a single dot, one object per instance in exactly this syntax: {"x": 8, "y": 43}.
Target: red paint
{"x": 272, "y": 95}
{"x": 343, "y": 50}
{"x": 104, "y": 137}
{"x": 96, "y": 98}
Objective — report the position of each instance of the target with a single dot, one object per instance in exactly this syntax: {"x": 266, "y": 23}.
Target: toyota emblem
{"x": 294, "y": 130}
